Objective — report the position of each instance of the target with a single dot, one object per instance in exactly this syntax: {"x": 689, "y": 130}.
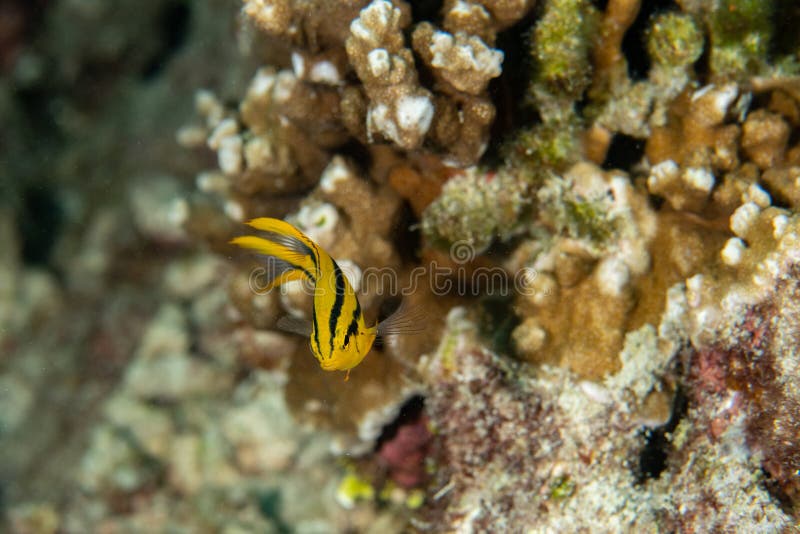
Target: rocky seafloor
{"x": 595, "y": 203}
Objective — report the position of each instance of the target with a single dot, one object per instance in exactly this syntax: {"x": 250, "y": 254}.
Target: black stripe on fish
{"x": 336, "y": 310}
{"x": 315, "y": 256}
{"x": 316, "y": 329}
{"x": 353, "y": 328}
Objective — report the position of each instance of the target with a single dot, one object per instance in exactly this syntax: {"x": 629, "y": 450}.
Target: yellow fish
{"x": 339, "y": 335}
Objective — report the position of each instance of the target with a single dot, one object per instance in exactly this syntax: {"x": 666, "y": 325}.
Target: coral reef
{"x": 550, "y": 452}
{"x": 592, "y": 208}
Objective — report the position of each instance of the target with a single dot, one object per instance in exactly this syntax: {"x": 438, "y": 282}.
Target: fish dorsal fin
{"x": 295, "y": 325}
{"x": 269, "y": 247}
{"x": 406, "y": 319}
{"x": 284, "y": 234}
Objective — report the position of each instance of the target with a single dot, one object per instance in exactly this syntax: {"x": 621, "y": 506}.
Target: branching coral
{"x": 695, "y": 133}
{"x": 399, "y": 108}
{"x": 314, "y": 25}
{"x": 560, "y": 49}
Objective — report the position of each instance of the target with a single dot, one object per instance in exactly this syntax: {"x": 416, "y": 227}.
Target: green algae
{"x": 562, "y": 487}
{"x": 674, "y": 40}
{"x": 587, "y": 219}
{"x": 473, "y": 209}
{"x": 561, "y": 46}
{"x": 740, "y": 33}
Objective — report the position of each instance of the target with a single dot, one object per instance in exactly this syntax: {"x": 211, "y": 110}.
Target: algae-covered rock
{"x": 474, "y": 209}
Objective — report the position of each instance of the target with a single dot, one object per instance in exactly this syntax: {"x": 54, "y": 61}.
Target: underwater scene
{"x": 399, "y": 266}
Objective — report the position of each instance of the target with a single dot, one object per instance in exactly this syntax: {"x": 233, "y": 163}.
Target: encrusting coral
{"x": 548, "y": 435}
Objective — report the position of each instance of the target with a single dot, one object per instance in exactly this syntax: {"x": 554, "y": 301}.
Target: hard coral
{"x": 595, "y": 250}
{"x": 474, "y": 208}
{"x": 461, "y": 61}
{"x": 758, "y": 364}
{"x": 740, "y": 32}
{"x": 316, "y": 25}
{"x": 399, "y": 109}
{"x": 695, "y": 133}
{"x": 521, "y": 452}
{"x": 685, "y": 236}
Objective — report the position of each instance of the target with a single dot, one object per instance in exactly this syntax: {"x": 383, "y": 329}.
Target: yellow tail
{"x": 290, "y": 254}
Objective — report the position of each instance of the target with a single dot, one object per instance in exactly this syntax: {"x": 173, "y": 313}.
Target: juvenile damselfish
{"x": 338, "y": 333}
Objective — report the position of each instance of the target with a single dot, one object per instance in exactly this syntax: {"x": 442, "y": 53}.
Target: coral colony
{"x": 627, "y": 171}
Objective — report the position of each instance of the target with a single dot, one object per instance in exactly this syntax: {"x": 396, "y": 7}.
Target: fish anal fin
{"x": 295, "y": 325}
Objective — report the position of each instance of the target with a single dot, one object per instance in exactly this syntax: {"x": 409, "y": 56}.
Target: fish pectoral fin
{"x": 406, "y": 319}
{"x": 295, "y": 325}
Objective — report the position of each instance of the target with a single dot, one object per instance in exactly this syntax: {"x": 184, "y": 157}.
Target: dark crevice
{"x": 794, "y": 134}
{"x": 702, "y": 67}
{"x": 508, "y": 90}
{"x": 422, "y": 10}
{"x": 174, "y": 28}
{"x": 777, "y": 200}
{"x": 271, "y": 506}
{"x": 407, "y": 236}
{"x": 410, "y": 412}
{"x": 625, "y": 152}
{"x": 633, "y": 44}
{"x": 497, "y": 320}
{"x": 776, "y": 491}
{"x": 653, "y": 457}
{"x": 356, "y": 154}
{"x": 40, "y": 220}
{"x": 656, "y": 202}
{"x": 785, "y": 37}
